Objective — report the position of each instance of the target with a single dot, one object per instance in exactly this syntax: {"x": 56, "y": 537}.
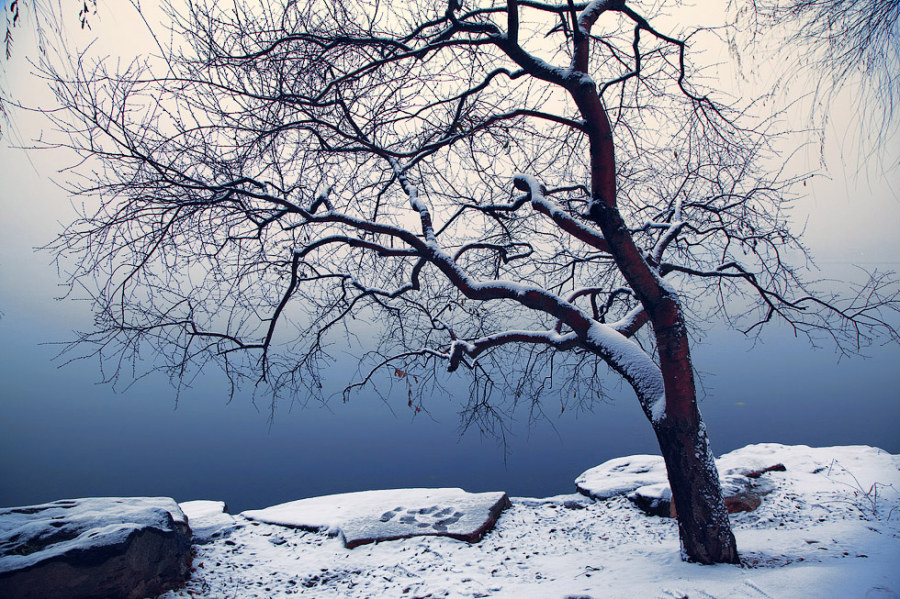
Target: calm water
{"x": 65, "y": 436}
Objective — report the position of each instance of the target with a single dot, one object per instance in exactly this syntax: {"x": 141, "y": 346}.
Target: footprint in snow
{"x": 427, "y": 517}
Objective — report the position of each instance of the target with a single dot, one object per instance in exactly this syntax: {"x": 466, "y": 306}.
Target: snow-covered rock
{"x": 572, "y": 501}
{"x": 115, "y": 547}
{"x": 829, "y": 528}
{"x": 621, "y": 476}
{"x": 208, "y": 519}
{"x": 655, "y": 499}
{"x": 642, "y": 479}
{"x": 371, "y": 516}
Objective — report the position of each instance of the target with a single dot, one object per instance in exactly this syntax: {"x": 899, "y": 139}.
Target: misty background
{"x": 64, "y": 434}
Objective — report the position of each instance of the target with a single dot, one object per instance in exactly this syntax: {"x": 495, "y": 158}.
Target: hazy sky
{"x": 851, "y": 216}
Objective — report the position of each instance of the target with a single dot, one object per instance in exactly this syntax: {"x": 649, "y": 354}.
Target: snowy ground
{"x": 824, "y": 531}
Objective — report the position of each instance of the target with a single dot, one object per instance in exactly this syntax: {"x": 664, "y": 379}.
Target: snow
{"x": 411, "y": 190}
{"x": 821, "y": 532}
{"x": 208, "y": 519}
{"x": 386, "y": 514}
{"x": 197, "y": 510}
{"x": 621, "y": 475}
{"x": 657, "y": 491}
{"x": 635, "y": 364}
{"x": 32, "y": 534}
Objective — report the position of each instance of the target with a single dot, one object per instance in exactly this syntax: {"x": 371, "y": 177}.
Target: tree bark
{"x": 703, "y": 524}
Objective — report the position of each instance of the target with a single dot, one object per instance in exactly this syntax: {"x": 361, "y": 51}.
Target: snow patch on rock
{"x": 620, "y": 476}
{"x": 208, "y": 519}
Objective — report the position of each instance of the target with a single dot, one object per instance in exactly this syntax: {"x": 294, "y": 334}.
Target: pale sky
{"x": 850, "y": 214}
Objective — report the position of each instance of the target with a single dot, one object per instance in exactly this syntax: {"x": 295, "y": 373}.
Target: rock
{"x": 643, "y": 480}
{"x": 654, "y": 500}
{"x": 742, "y": 502}
{"x": 758, "y": 473}
{"x": 115, "y": 548}
{"x": 743, "y": 493}
{"x": 571, "y": 501}
{"x": 620, "y": 476}
{"x": 208, "y": 519}
{"x": 372, "y": 516}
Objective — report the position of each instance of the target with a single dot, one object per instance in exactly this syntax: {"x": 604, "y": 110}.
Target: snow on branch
{"x": 505, "y": 251}
{"x": 628, "y": 359}
{"x": 417, "y": 203}
{"x": 578, "y": 229}
{"x": 355, "y": 242}
{"x": 459, "y": 349}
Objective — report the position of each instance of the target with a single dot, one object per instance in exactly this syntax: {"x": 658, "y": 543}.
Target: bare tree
{"x": 532, "y": 194}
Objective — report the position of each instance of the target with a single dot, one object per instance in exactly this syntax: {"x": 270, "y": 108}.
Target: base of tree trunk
{"x": 703, "y": 524}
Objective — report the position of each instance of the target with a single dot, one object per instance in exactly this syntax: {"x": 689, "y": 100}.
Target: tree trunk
{"x": 702, "y": 519}
{"x": 706, "y": 535}
{"x": 703, "y": 524}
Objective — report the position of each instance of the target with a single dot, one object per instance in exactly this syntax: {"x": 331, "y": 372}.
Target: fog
{"x": 65, "y": 434}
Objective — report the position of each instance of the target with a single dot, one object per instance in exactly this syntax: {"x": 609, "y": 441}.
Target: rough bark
{"x": 703, "y": 525}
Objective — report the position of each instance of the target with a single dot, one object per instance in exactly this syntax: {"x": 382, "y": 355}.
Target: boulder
{"x": 620, "y": 476}
{"x": 113, "y": 547}
{"x": 743, "y": 502}
{"x": 656, "y": 500}
{"x": 372, "y": 516}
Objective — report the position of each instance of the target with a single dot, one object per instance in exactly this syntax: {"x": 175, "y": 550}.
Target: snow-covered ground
{"x": 830, "y": 527}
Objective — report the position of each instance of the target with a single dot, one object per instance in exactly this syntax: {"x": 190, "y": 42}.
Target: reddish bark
{"x": 703, "y": 525}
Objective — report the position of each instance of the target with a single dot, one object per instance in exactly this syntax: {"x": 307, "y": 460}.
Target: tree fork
{"x": 703, "y": 525}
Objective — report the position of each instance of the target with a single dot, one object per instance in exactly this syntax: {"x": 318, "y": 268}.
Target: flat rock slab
{"x": 113, "y": 547}
{"x": 371, "y": 516}
{"x": 621, "y": 476}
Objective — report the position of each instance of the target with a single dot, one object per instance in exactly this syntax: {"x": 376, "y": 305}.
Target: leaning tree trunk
{"x": 703, "y": 524}
{"x": 702, "y": 519}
